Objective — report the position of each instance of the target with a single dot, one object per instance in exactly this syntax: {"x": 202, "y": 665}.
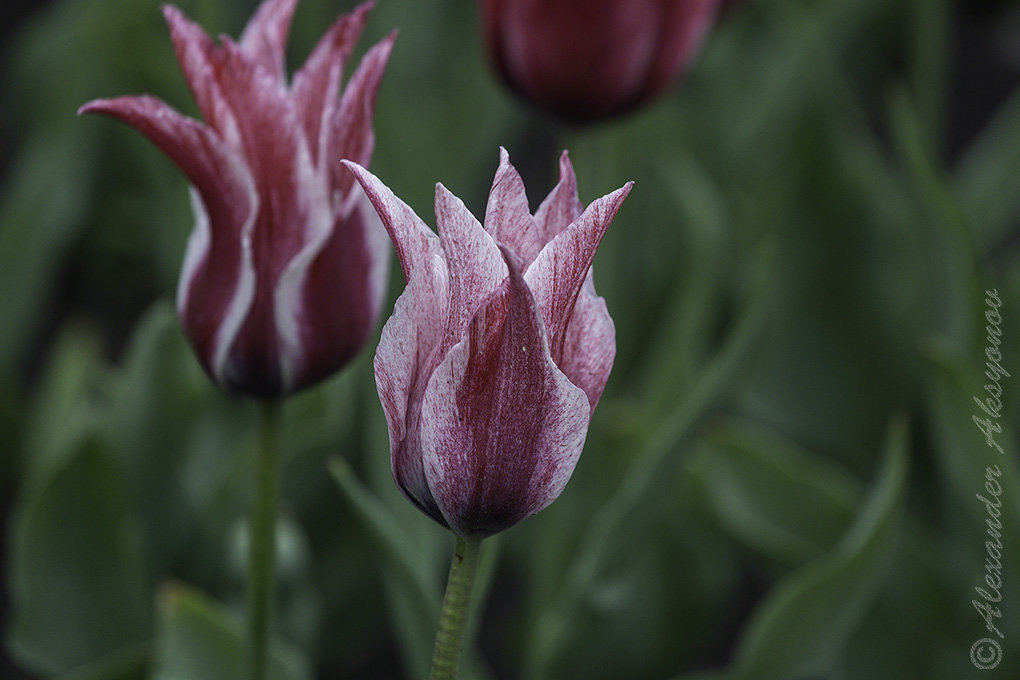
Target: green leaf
{"x": 803, "y": 624}
{"x": 129, "y": 663}
{"x": 417, "y": 606}
{"x": 774, "y": 496}
{"x": 157, "y": 398}
{"x": 64, "y": 395}
{"x": 594, "y": 547}
{"x": 986, "y": 175}
{"x": 197, "y": 640}
{"x": 77, "y": 576}
{"x": 962, "y": 455}
{"x": 940, "y": 207}
{"x": 37, "y": 227}
{"x": 671, "y": 357}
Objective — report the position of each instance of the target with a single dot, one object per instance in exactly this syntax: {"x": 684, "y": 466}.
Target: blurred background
{"x": 780, "y": 481}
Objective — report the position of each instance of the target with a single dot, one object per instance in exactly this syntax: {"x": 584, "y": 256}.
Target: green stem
{"x": 262, "y": 543}
{"x": 446, "y": 657}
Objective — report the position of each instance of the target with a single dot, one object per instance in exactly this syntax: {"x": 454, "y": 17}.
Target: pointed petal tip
{"x": 353, "y": 166}
{"x": 94, "y": 106}
{"x": 384, "y": 47}
{"x": 169, "y": 11}
{"x": 175, "y": 18}
{"x": 118, "y": 106}
{"x": 566, "y": 167}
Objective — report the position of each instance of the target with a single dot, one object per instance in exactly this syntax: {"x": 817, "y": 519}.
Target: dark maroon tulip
{"x": 497, "y": 351}
{"x": 590, "y": 59}
{"x": 286, "y": 267}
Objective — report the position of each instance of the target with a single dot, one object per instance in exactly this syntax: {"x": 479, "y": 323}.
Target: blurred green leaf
{"x": 963, "y": 455}
{"x": 802, "y": 625}
{"x": 77, "y": 576}
{"x": 775, "y": 497}
{"x": 595, "y": 543}
{"x": 63, "y": 405}
{"x": 691, "y": 313}
{"x": 129, "y": 663}
{"x": 415, "y": 581}
{"x": 986, "y": 175}
{"x": 928, "y": 26}
{"x": 156, "y": 399}
{"x": 196, "y": 640}
{"x": 941, "y": 208}
{"x": 40, "y": 208}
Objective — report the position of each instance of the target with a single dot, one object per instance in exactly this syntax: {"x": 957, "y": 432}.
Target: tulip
{"x": 589, "y": 59}
{"x": 497, "y": 351}
{"x": 286, "y": 267}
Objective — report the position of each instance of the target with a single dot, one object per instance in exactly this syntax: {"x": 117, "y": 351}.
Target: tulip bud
{"x": 497, "y": 351}
{"x": 286, "y": 267}
{"x": 589, "y": 59}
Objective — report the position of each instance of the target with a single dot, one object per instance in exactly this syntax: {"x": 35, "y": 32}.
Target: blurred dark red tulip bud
{"x": 286, "y": 267}
{"x": 589, "y": 59}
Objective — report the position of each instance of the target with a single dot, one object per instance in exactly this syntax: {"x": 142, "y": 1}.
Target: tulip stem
{"x": 262, "y": 543}
{"x": 456, "y": 603}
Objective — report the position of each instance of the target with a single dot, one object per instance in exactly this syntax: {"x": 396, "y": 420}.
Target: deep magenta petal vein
{"x": 497, "y": 351}
{"x": 286, "y": 267}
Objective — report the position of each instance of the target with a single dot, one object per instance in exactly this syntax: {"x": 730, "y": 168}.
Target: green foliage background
{"x": 779, "y": 483}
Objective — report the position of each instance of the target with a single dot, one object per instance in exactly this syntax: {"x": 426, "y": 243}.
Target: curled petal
{"x": 502, "y": 427}
{"x": 560, "y": 269}
{"x": 265, "y": 37}
{"x": 218, "y": 262}
{"x": 507, "y": 214}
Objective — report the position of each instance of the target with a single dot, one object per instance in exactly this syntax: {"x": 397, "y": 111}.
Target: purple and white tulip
{"x": 497, "y": 351}
{"x": 286, "y": 267}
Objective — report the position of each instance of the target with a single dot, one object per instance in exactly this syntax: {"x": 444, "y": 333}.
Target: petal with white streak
{"x": 559, "y": 270}
{"x": 264, "y": 39}
{"x": 201, "y": 62}
{"x": 336, "y": 300}
{"x": 562, "y": 206}
{"x": 414, "y": 242}
{"x": 589, "y": 343}
{"x": 350, "y": 129}
{"x": 409, "y": 345}
{"x": 475, "y": 264}
{"x": 507, "y": 214}
{"x": 502, "y": 427}
{"x": 404, "y": 360}
{"x": 218, "y": 262}
{"x": 294, "y": 219}
{"x": 316, "y": 84}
